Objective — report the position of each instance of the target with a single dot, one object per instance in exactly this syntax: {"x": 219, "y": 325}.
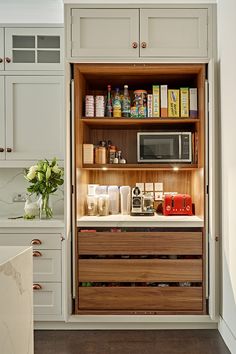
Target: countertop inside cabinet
{"x": 143, "y": 221}
{"x": 57, "y": 222}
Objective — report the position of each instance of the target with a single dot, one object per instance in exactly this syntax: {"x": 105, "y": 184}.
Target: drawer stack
{"x": 140, "y": 272}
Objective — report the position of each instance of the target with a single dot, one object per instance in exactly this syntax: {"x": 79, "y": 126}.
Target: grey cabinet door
{"x": 34, "y": 117}
{"x": 2, "y": 119}
{"x": 110, "y": 33}
{"x": 173, "y": 32}
{"x": 1, "y": 49}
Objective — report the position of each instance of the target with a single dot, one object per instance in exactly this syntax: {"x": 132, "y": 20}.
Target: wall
{"x": 12, "y": 181}
{"x": 227, "y": 70}
{"x": 31, "y": 11}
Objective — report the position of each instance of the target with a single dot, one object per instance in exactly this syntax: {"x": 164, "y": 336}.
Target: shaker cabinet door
{"x": 34, "y": 111}
{"x": 109, "y": 33}
{"x": 1, "y": 49}
{"x": 2, "y": 119}
{"x": 173, "y": 32}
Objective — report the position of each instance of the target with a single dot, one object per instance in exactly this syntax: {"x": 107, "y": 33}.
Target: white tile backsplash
{"x": 12, "y": 181}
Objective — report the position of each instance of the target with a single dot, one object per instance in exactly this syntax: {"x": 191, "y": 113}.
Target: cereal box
{"x": 156, "y": 100}
{"x": 173, "y": 103}
{"x": 193, "y": 102}
{"x": 149, "y": 105}
{"x": 184, "y": 102}
{"x": 164, "y": 101}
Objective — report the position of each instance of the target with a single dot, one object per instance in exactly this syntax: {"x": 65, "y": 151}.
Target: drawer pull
{"x": 1, "y": 149}
{"x": 37, "y": 254}
{"x": 37, "y": 287}
{"x": 135, "y": 45}
{"x": 144, "y": 45}
{"x": 36, "y": 241}
{"x": 1, "y": 60}
{"x": 9, "y": 149}
{"x": 8, "y": 60}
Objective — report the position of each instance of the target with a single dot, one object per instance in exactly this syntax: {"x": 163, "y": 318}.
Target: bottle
{"x": 117, "y": 104}
{"x": 126, "y": 103}
{"x": 109, "y": 102}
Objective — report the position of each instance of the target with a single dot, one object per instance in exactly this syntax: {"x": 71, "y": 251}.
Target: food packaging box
{"x": 149, "y": 105}
{"x": 88, "y": 153}
{"x": 184, "y": 102}
{"x": 173, "y": 103}
{"x": 156, "y": 101}
{"x": 193, "y": 102}
{"x": 164, "y": 101}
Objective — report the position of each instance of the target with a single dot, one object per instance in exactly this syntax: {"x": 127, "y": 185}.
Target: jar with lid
{"x": 139, "y": 107}
{"x": 91, "y": 205}
{"x": 101, "y": 153}
{"x": 103, "y": 205}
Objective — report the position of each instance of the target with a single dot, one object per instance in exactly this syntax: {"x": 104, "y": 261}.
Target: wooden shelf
{"x": 140, "y": 167}
{"x": 104, "y": 121}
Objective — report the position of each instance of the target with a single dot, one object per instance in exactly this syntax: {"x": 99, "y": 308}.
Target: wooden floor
{"x": 130, "y": 342}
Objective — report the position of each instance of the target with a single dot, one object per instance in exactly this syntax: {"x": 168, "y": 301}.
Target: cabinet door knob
{"x": 135, "y": 45}
{"x": 37, "y": 287}
{"x": 37, "y": 254}
{"x": 8, "y": 60}
{"x": 1, "y": 150}
{"x": 36, "y": 241}
{"x": 1, "y": 60}
{"x": 144, "y": 45}
{"x": 9, "y": 149}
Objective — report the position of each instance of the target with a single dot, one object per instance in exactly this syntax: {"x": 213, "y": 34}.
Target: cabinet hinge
{"x": 72, "y": 189}
{"x": 217, "y": 238}
{"x": 207, "y": 189}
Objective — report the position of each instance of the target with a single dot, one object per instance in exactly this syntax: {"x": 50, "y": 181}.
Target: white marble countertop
{"x": 7, "y": 253}
{"x": 57, "y": 222}
{"x": 140, "y": 221}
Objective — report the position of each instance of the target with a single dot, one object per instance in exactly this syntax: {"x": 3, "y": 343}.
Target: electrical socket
{"x": 19, "y": 197}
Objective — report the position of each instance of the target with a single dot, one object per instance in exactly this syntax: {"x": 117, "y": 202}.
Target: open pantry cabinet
{"x": 143, "y": 267}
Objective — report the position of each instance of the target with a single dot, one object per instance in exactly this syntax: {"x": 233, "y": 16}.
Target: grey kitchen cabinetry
{"x": 1, "y": 49}
{"x": 32, "y": 118}
{"x": 47, "y": 270}
{"x": 33, "y": 49}
{"x": 139, "y": 33}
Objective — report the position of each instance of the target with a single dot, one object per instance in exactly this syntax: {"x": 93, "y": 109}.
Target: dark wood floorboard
{"x": 130, "y": 342}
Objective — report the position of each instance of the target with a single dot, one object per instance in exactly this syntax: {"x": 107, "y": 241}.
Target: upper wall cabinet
{"x": 138, "y": 33}
{"x": 33, "y": 49}
{"x": 105, "y": 33}
{"x": 1, "y": 49}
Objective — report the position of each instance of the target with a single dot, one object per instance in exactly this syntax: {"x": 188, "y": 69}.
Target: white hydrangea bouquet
{"x": 44, "y": 178}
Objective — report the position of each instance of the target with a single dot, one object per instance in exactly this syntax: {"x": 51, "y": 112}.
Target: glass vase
{"x": 45, "y": 207}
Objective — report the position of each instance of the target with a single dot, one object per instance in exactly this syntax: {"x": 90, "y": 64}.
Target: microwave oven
{"x": 158, "y": 147}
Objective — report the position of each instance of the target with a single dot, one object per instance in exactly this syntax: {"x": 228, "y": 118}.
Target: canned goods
{"x": 139, "y": 107}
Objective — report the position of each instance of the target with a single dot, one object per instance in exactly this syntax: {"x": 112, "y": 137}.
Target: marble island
{"x": 16, "y": 300}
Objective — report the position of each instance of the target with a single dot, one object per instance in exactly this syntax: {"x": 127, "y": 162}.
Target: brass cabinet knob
{"x": 9, "y": 149}
{"x": 8, "y": 60}
{"x": 37, "y": 254}
{"x": 37, "y": 287}
{"x": 144, "y": 45}
{"x": 1, "y": 60}
{"x": 2, "y": 150}
{"x": 135, "y": 45}
{"x": 36, "y": 241}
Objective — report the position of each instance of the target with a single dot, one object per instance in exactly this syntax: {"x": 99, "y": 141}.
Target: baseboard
{"x": 227, "y": 335}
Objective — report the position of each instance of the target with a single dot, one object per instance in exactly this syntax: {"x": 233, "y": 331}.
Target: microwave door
{"x": 160, "y": 148}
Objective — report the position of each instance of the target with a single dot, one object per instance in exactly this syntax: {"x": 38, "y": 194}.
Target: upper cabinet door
{"x": 34, "y": 49}
{"x": 1, "y": 49}
{"x": 2, "y": 119}
{"x": 35, "y": 112}
{"x": 109, "y": 33}
{"x": 173, "y": 33}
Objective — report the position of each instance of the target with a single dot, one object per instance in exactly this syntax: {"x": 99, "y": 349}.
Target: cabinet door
{"x": 34, "y": 117}
{"x": 173, "y": 32}
{"x": 2, "y": 119}
{"x": 1, "y": 49}
{"x": 34, "y": 48}
{"x": 105, "y": 33}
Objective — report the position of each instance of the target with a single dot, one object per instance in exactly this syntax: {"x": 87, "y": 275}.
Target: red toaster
{"x": 179, "y": 204}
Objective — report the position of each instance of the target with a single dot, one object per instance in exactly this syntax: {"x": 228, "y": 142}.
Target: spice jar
{"x": 101, "y": 153}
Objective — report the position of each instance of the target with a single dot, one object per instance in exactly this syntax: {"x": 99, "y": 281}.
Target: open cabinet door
{"x": 213, "y": 194}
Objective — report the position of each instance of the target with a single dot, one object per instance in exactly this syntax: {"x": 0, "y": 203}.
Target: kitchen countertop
{"x": 140, "y": 221}
{"x": 56, "y": 222}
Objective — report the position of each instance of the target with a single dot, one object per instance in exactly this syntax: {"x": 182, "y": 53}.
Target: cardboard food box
{"x": 184, "y": 102}
{"x": 156, "y": 101}
{"x": 173, "y": 103}
{"x": 164, "y": 101}
{"x": 193, "y": 102}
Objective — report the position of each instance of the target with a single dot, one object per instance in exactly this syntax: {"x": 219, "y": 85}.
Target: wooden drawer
{"x": 47, "y": 299}
{"x": 141, "y": 298}
{"x": 136, "y": 243}
{"x": 140, "y": 270}
{"x": 47, "y": 266}
{"x": 37, "y": 240}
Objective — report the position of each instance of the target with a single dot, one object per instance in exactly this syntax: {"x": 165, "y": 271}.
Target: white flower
{"x": 32, "y": 173}
{"x": 56, "y": 169}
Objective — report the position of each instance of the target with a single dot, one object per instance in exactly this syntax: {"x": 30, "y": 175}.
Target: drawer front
{"x": 141, "y": 298}
{"x": 140, "y": 270}
{"x": 137, "y": 243}
{"x": 47, "y": 299}
{"x": 37, "y": 240}
{"x": 47, "y": 266}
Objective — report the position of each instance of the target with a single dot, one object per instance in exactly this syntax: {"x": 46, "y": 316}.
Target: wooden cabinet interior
{"x": 190, "y": 179}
